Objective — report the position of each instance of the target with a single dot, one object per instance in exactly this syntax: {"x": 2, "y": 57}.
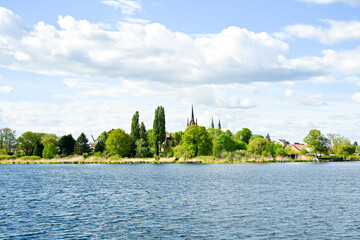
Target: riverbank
{"x": 198, "y": 160}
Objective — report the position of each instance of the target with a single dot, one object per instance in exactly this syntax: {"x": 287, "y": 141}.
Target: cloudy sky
{"x": 280, "y": 67}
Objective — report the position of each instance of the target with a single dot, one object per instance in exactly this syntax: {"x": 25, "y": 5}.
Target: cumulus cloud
{"x": 356, "y": 97}
{"x": 335, "y": 32}
{"x": 127, "y": 7}
{"x": 5, "y": 89}
{"x": 148, "y": 51}
{"x": 351, "y": 2}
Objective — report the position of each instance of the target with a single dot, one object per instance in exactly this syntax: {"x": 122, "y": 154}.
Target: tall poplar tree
{"x": 159, "y": 128}
{"x": 135, "y": 132}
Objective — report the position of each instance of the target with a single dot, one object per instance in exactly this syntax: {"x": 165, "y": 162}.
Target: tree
{"x": 118, "y": 143}
{"x": 67, "y": 144}
{"x": 159, "y": 128}
{"x": 197, "y": 141}
{"x": 345, "y": 148}
{"x": 228, "y": 132}
{"x": 317, "y": 141}
{"x": 99, "y": 147}
{"x": 143, "y": 134}
{"x": 38, "y": 149}
{"x": 28, "y": 140}
{"x": 255, "y": 136}
{"x": 50, "y": 151}
{"x": 50, "y": 138}
{"x": 82, "y": 145}
{"x": 7, "y": 140}
{"x": 103, "y": 137}
{"x": 135, "y": 132}
{"x": 244, "y": 135}
{"x": 259, "y": 145}
{"x": 178, "y": 137}
{"x": 142, "y": 149}
{"x": 268, "y": 137}
{"x": 226, "y": 143}
{"x": 355, "y": 144}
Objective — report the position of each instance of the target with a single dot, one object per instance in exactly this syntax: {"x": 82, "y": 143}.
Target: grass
{"x": 5, "y": 159}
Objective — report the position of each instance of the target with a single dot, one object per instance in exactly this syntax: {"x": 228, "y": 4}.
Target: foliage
{"x": 67, "y": 144}
{"x": 255, "y": 136}
{"x": 214, "y": 132}
{"x": 197, "y": 141}
{"x": 318, "y": 141}
{"x": 103, "y": 137}
{"x": 28, "y": 140}
{"x": 259, "y": 145}
{"x": 226, "y": 143}
{"x": 50, "y": 138}
{"x": 118, "y": 143}
{"x": 5, "y": 157}
{"x": 50, "y": 151}
{"x": 303, "y": 151}
{"x": 228, "y": 133}
{"x": 159, "y": 128}
{"x": 244, "y": 135}
{"x": 38, "y": 150}
{"x": 179, "y": 151}
{"x": 135, "y": 132}
{"x": 142, "y": 150}
{"x": 30, "y": 158}
{"x": 143, "y": 134}
{"x": 99, "y": 147}
{"x": 345, "y": 148}
{"x": 268, "y": 137}
{"x": 81, "y": 145}
{"x": 7, "y": 140}
{"x": 178, "y": 137}
{"x": 289, "y": 151}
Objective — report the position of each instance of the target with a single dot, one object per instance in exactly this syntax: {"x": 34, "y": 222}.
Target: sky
{"x": 279, "y": 67}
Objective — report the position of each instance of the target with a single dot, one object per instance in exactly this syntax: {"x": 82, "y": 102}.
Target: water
{"x": 256, "y": 201}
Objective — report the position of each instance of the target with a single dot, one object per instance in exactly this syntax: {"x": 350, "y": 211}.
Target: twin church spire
{"x": 193, "y": 120}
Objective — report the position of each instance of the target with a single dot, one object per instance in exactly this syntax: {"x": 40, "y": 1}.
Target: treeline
{"x": 156, "y": 142}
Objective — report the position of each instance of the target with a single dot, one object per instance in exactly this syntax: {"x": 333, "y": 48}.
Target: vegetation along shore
{"x": 194, "y": 145}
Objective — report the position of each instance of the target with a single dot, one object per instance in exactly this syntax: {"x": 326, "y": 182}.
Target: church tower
{"x": 193, "y": 121}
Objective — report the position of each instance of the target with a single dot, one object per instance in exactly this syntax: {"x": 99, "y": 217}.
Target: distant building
{"x": 296, "y": 147}
{"x": 283, "y": 142}
{"x": 193, "y": 121}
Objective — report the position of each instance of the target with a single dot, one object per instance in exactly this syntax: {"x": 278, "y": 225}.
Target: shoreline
{"x": 198, "y": 160}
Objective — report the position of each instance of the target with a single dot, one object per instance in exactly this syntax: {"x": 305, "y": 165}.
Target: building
{"x": 193, "y": 121}
{"x": 296, "y": 147}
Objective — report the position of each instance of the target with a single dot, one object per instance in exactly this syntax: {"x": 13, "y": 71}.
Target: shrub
{"x": 30, "y": 158}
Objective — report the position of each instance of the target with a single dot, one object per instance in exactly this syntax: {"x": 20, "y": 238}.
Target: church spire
{"x": 219, "y": 126}
{"x": 212, "y": 122}
{"x": 192, "y": 122}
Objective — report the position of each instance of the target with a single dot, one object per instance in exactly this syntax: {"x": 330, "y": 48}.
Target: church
{"x": 193, "y": 120}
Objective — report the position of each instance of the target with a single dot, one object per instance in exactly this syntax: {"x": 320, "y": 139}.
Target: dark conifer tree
{"x": 135, "y": 133}
{"x": 67, "y": 144}
{"x": 38, "y": 149}
{"x": 159, "y": 128}
{"x": 82, "y": 145}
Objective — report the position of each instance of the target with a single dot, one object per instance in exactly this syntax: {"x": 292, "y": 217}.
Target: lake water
{"x": 257, "y": 201}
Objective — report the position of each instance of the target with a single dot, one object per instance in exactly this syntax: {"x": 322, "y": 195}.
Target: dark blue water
{"x": 257, "y": 201}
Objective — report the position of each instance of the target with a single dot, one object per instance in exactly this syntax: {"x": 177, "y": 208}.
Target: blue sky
{"x": 279, "y": 67}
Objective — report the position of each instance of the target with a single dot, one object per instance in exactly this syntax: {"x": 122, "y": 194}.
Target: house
{"x": 296, "y": 147}
{"x": 283, "y": 142}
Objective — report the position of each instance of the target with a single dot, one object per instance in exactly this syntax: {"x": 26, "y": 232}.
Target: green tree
{"x": 28, "y": 140}
{"x": 118, "y": 143}
{"x": 38, "y": 149}
{"x": 7, "y": 140}
{"x": 303, "y": 151}
{"x": 244, "y": 135}
{"x": 228, "y": 132}
{"x": 67, "y": 144}
{"x": 103, "y": 137}
{"x": 81, "y": 145}
{"x": 255, "y": 136}
{"x": 142, "y": 149}
{"x": 143, "y": 134}
{"x": 197, "y": 141}
{"x": 317, "y": 141}
{"x": 226, "y": 143}
{"x": 178, "y": 137}
{"x": 50, "y": 138}
{"x": 268, "y": 137}
{"x": 50, "y": 151}
{"x": 355, "y": 144}
{"x": 345, "y": 148}
{"x": 135, "y": 132}
{"x": 159, "y": 128}
{"x": 259, "y": 145}
{"x": 99, "y": 147}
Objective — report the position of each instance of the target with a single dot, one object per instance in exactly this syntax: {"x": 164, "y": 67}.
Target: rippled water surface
{"x": 257, "y": 201}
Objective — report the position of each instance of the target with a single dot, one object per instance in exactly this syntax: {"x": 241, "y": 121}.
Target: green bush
{"x": 4, "y": 157}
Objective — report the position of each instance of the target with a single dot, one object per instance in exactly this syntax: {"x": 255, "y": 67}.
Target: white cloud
{"x": 127, "y": 6}
{"x": 5, "y": 89}
{"x": 150, "y": 52}
{"x": 289, "y": 93}
{"x": 353, "y": 79}
{"x": 351, "y": 2}
{"x": 336, "y": 32}
{"x": 356, "y": 97}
